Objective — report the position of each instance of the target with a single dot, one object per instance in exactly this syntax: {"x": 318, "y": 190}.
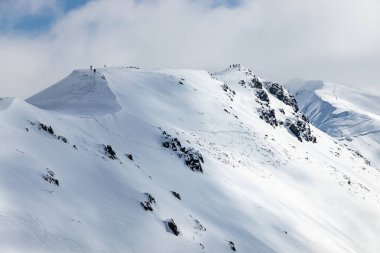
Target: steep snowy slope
{"x": 227, "y": 158}
{"x": 82, "y": 92}
{"x": 343, "y": 112}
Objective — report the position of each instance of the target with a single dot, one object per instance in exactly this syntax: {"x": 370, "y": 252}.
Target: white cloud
{"x": 279, "y": 39}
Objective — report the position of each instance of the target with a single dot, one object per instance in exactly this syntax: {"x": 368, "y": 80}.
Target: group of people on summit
{"x": 105, "y": 68}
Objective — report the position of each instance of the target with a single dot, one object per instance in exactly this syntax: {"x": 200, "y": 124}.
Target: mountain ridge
{"x": 104, "y": 182}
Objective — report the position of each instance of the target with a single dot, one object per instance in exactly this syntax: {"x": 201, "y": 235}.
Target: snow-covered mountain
{"x": 128, "y": 160}
{"x": 343, "y": 112}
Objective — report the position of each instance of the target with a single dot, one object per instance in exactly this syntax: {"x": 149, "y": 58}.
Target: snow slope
{"x": 82, "y": 92}
{"x": 261, "y": 189}
{"x": 343, "y": 112}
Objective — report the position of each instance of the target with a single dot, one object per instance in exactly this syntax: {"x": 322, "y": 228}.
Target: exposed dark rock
{"x": 147, "y": 206}
{"x": 294, "y": 129}
{"x": 129, "y": 156}
{"x": 192, "y": 157}
{"x": 50, "y": 177}
{"x": 301, "y": 130}
{"x": 148, "y": 203}
{"x": 232, "y": 246}
{"x": 268, "y": 115}
{"x": 46, "y": 128}
{"x": 62, "y": 138}
{"x": 176, "y": 194}
{"x": 282, "y": 94}
{"x": 49, "y": 130}
{"x": 181, "y": 81}
{"x": 304, "y": 118}
{"x": 172, "y": 226}
{"x": 262, "y": 95}
{"x": 255, "y": 83}
{"x": 109, "y": 152}
{"x": 230, "y": 93}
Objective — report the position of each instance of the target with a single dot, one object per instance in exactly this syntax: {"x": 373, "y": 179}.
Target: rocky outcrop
{"x": 109, "y": 152}
{"x": 176, "y": 194}
{"x": 192, "y": 157}
{"x": 50, "y": 177}
{"x": 148, "y": 203}
{"x": 172, "y": 227}
{"x": 282, "y": 94}
{"x": 301, "y": 130}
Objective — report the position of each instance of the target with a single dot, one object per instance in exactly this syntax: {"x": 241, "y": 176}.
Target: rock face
{"x": 50, "y": 177}
{"x": 172, "y": 227}
{"x": 232, "y": 246}
{"x": 230, "y": 93}
{"x": 265, "y": 111}
{"x": 302, "y": 131}
{"x": 176, "y": 194}
{"x": 262, "y": 95}
{"x": 265, "y": 91}
{"x": 192, "y": 157}
{"x": 282, "y": 94}
{"x": 49, "y": 130}
{"x": 129, "y": 156}
{"x": 46, "y": 128}
{"x": 268, "y": 115}
{"x": 148, "y": 203}
{"x": 109, "y": 152}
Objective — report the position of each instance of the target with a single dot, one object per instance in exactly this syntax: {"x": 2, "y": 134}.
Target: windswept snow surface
{"x": 342, "y": 112}
{"x": 261, "y": 190}
{"x": 82, "y": 92}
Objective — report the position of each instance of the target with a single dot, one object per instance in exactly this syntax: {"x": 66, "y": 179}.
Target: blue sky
{"x": 41, "y": 21}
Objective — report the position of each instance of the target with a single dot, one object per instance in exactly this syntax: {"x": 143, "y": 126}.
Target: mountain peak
{"x": 178, "y": 159}
{"x": 237, "y": 68}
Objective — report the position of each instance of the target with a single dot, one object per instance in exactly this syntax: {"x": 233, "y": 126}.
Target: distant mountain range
{"x": 343, "y": 112}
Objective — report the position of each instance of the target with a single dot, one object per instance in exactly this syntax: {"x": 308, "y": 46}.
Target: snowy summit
{"x": 129, "y": 160}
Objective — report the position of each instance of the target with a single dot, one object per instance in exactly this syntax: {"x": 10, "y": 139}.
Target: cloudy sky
{"x": 42, "y": 41}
